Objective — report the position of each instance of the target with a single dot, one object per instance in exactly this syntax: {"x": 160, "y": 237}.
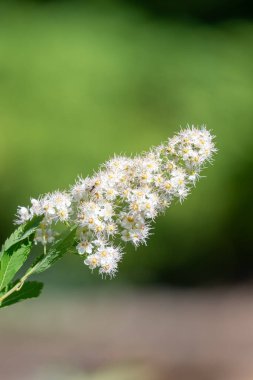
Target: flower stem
{"x": 18, "y": 285}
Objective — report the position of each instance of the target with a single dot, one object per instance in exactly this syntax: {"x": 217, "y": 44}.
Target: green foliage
{"x": 11, "y": 262}
{"x": 15, "y": 251}
{"x": 20, "y": 234}
{"x": 63, "y": 245}
{"x": 30, "y": 289}
{"x": 12, "y": 240}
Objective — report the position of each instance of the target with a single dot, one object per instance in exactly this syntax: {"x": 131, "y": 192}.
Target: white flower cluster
{"x": 121, "y": 200}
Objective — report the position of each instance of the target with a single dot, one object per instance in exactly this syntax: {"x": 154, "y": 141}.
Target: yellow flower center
{"x": 135, "y": 207}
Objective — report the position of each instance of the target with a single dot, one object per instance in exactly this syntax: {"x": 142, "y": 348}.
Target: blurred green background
{"x": 80, "y": 81}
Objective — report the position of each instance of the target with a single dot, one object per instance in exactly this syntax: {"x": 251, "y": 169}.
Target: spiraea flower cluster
{"x": 119, "y": 202}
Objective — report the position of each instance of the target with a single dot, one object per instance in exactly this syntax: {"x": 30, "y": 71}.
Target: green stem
{"x": 60, "y": 246}
{"x": 18, "y": 285}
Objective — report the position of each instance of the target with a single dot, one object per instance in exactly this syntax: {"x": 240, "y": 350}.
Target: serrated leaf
{"x": 30, "y": 289}
{"x": 12, "y": 239}
{"x": 64, "y": 244}
{"x": 31, "y": 224}
{"x": 15, "y": 251}
{"x": 11, "y": 262}
{"x": 21, "y": 233}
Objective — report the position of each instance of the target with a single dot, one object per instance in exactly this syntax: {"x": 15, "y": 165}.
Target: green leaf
{"x": 13, "y": 239}
{"x": 11, "y": 262}
{"x": 64, "y": 244}
{"x": 21, "y": 233}
{"x": 30, "y": 289}
{"x": 15, "y": 251}
{"x": 31, "y": 224}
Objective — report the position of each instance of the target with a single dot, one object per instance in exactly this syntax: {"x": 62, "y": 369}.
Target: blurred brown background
{"x": 80, "y": 81}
